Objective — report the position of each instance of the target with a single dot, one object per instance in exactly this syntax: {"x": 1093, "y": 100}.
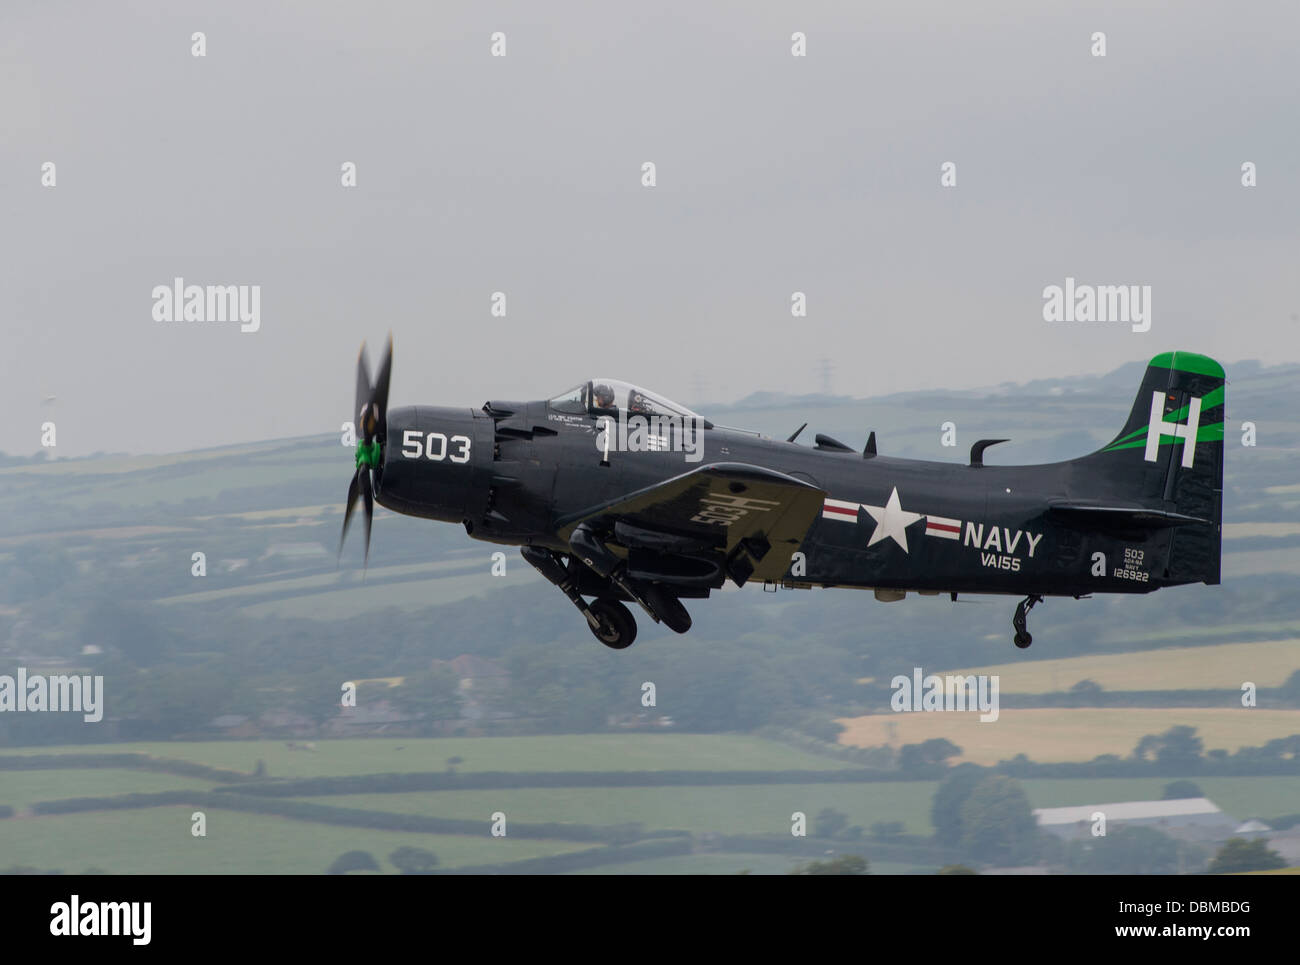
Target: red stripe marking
{"x": 837, "y": 509}
{"x": 942, "y": 526}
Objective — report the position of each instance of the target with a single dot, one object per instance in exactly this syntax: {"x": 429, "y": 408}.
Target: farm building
{"x": 1192, "y": 818}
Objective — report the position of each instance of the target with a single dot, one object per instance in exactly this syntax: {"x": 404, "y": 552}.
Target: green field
{"x": 763, "y": 809}
{"x": 158, "y": 841}
{"x": 559, "y": 752}
{"x": 21, "y": 789}
{"x": 738, "y": 809}
{"x": 732, "y": 864}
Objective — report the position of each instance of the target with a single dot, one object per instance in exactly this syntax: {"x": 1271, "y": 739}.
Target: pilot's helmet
{"x": 603, "y": 396}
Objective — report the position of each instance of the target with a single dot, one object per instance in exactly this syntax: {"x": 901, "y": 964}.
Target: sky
{"x": 523, "y": 174}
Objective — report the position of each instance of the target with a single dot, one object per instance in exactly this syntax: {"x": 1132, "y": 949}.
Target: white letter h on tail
{"x": 1158, "y": 427}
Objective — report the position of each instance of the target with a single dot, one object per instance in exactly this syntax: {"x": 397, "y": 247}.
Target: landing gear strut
{"x": 1023, "y": 637}
{"x": 659, "y": 604}
{"x": 608, "y": 619}
{"x": 550, "y": 566}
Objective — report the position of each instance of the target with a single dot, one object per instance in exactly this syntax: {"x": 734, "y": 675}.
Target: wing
{"x": 751, "y": 517}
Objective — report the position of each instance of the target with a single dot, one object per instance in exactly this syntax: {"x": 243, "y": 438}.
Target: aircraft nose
{"x": 432, "y": 461}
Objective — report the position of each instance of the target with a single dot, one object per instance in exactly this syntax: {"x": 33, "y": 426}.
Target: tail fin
{"x": 1169, "y": 456}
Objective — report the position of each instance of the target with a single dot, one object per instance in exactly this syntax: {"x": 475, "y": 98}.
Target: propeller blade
{"x": 372, "y": 428}
{"x": 379, "y": 393}
{"x": 347, "y": 509}
{"x": 363, "y": 392}
{"x": 370, "y": 509}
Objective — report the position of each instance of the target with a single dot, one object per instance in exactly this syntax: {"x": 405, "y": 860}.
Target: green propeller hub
{"x": 368, "y": 454}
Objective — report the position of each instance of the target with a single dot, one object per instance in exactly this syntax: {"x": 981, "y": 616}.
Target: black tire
{"x": 617, "y": 625}
{"x": 1023, "y": 640}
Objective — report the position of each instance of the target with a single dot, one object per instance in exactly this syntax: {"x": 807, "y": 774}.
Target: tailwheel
{"x": 1023, "y": 637}
{"x": 617, "y": 626}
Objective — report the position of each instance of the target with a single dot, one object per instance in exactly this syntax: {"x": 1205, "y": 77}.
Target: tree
{"x": 1281, "y": 748}
{"x": 956, "y": 869}
{"x": 317, "y": 695}
{"x": 1177, "y": 747}
{"x": 409, "y": 860}
{"x": 822, "y": 727}
{"x": 1238, "y": 854}
{"x": 1086, "y": 692}
{"x": 849, "y": 864}
{"x": 930, "y": 753}
{"x": 1131, "y": 850}
{"x": 1146, "y": 746}
{"x": 945, "y": 809}
{"x": 353, "y": 861}
{"x": 429, "y": 694}
{"x": 829, "y": 823}
{"x": 997, "y": 823}
{"x": 1180, "y": 789}
{"x": 1290, "y": 691}
{"x": 36, "y": 572}
{"x": 127, "y": 630}
{"x": 167, "y": 700}
{"x": 1181, "y": 747}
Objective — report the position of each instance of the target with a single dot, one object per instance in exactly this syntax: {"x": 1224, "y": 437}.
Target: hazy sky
{"x": 522, "y": 174}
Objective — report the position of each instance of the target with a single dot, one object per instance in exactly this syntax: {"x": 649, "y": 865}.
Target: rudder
{"x": 1170, "y": 452}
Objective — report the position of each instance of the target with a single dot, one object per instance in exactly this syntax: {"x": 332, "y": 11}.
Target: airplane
{"x": 618, "y": 495}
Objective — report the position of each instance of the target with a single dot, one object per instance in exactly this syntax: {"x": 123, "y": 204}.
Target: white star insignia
{"x": 891, "y": 521}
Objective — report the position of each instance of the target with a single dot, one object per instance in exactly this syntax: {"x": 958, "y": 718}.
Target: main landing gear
{"x": 1023, "y": 637}
{"x": 608, "y": 619}
{"x": 617, "y": 627}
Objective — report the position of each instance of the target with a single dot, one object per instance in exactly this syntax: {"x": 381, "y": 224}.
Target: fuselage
{"x": 889, "y": 524}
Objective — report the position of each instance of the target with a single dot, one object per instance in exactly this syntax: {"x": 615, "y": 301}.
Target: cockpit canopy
{"x": 610, "y": 396}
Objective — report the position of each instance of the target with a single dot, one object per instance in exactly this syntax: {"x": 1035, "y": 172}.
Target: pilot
{"x": 638, "y": 403}
{"x": 602, "y": 396}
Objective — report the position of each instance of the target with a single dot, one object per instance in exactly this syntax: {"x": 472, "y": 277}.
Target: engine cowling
{"x": 435, "y": 463}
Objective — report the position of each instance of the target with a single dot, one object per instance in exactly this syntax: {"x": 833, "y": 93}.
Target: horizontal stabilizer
{"x": 1122, "y": 517}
